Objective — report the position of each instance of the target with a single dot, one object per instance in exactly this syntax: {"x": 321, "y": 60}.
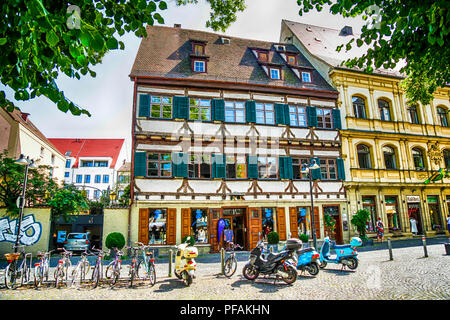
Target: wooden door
{"x": 214, "y": 217}
{"x": 293, "y": 222}
{"x": 143, "y": 225}
{"x": 171, "y": 226}
{"x": 281, "y": 223}
{"x": 185, "y": 222}
{"x": 317, "y": 222}
{"x": 254, "y": 227}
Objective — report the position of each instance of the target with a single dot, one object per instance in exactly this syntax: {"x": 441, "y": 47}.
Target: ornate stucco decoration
{"x": 434, "y": 152}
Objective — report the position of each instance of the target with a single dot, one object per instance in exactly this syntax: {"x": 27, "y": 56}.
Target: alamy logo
{"x": 31, "y": 230}
{"x": 374, "y": 17}
{"x": 74, "y": 21}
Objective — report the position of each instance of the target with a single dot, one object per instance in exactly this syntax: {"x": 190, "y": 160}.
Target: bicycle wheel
{"x": 85, "y": 267}
{"x": 25, "y": 276}
{"x": 230, "y": 266}
{"x": 95, "y": 276}
{"x": 75, "y": 273}
{"x": 116, "y": 275}
{"x": 10, "y": 276}
{"x": 67, "y": 271}
{"x": 132, "y": 272}
{"x": 38, "y": 275}
{"x": 59, "y": 274}
{"x": 109, "y": 270}
{"x": 152, "y": 274}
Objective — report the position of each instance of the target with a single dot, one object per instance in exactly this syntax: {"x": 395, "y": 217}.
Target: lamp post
{"x": 307, "y": 169}
{"x": 21, "y": 200}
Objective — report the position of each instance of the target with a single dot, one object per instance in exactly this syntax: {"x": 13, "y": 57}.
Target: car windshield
{"x": 76, "y": 236}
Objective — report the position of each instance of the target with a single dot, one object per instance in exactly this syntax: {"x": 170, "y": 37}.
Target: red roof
{"x": 89, "y": 148}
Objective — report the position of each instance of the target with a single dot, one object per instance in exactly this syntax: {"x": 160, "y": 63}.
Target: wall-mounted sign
{"x": 412, "y": 198}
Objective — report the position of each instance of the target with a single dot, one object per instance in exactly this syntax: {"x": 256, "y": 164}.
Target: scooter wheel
{"x": 186, "y": 278}
{"x": 322, "y": 264}
{"x": 313, "y": 269}
{"x": 292, "y": 275}
{"x": 353, "y": 264}
{"x": 177, "y": 274}
{"x": 250, "y": 272}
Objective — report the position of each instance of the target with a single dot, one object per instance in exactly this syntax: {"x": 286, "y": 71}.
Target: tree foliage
{"x": 359, "y": 220}
{"x": 67, "y": 200}
{"x": 413, "y": 32}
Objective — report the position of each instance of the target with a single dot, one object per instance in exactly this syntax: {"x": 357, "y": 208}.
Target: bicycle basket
{"x": 12, "y": 256}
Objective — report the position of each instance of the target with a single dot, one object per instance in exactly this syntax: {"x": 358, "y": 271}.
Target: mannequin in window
{"x": 201, "y": 236}
{"x": 413, "y": 225}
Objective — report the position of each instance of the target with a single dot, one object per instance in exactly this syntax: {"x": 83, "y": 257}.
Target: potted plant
{"x": 114, "y": 240}
{"x": 273, "y": 239}
{"x": 330, "y": 224}
{"x": 359, "y": 220}
{"x": 304, "y": 238}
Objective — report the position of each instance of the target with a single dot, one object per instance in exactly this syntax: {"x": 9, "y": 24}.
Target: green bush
{"x": 115, "y": 240}
{"x": 304, "y": 238}
{"x": 191, "y": 240}
{"x": 359, "y": 220}
{"x": 273, "y": 238}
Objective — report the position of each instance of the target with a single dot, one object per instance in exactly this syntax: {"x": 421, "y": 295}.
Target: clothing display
{"x": 228, "y": 235}
{"x": 413, "y": 225}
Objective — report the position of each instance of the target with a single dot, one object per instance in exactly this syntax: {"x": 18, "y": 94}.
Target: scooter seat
{"x": 272, "y": 256}
{"x": 303, "y": 251}
{"x": 344, "y": 246}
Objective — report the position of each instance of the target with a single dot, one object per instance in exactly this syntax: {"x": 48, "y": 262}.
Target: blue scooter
{"x": 308, "y": 260}
{"x": 345, "y": 254}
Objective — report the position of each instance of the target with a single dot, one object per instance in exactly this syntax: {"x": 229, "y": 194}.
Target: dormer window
{"x": 280, "y": 47}
{"x": 199, "y": 66}
{"x": 225, "y": 40}
{"x": 275, "y": 73}
{"x": 306, "y": 76}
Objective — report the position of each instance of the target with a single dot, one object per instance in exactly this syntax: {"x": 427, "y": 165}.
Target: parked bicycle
{"x": 230, "y": 264}
{"x": 133, "y": 265}
{"x": 62, "y": 269}
{"x": 42, "y": 268}
{"x": 81, "y": 270}
{"x": 146, "y": 265}
{"x": 14, "y": 271}
{"x": 113, "y": 268}
{"x": 97, "y": 272}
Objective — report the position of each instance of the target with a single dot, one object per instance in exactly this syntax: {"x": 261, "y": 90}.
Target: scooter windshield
{"x": 326, "y": 248}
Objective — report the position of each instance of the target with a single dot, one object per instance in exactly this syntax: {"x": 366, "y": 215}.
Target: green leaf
{"x": 51, "y": 38}
{"x": 3, "y": 41}
{"x": 112, "y": 43}
{"x": 98, "y": 43}
{"x": 162, "y": 5}
{"x": 85, "y": 39}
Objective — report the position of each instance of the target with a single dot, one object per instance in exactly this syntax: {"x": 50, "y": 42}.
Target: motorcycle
{"x": 185, "y": 264}
{"x": 308, "y": 260}
{"x": 277, "y": 264}
{"x": 345, "y": 254}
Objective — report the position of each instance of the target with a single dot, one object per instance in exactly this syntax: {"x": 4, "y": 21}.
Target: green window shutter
{"x": 180, "y": 165}
{"x": 311, "y": 113}
{"x": 340, "y": 169}
{"x": 279, "y": 113}
{"x": 180, "y": 107}
{"x": 250, "y": 111}
{"x": 140, "y": 164}
{"x": 252, "y": 167}
{"x": 337, "y": 119}
{"x": 218, "y": 166}
{"x": 315, "y": 174}
{"x": 218, "y": 109}
{"x": 287, "y": 119}
{"x": 285, "y": 167}
{"x": 144, "y": 105}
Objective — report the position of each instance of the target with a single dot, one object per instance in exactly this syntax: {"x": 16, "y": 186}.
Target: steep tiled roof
{"x": 322, "y": 43}
{"x": 166, "y": 51}
{"x": 90, "y": 148}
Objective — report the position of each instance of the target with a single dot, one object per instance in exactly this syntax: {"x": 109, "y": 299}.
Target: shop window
{"x": 368, "y": 203}
{"x": 359, "y": 107}
{"x": 393, "y": 215}
{"x": 390, "y": 161}
{"x": 200, "y": 109}
{"x": 364, "y": 158}
{"x": 435, "y": 213}
{"x": 418, "y": 159}
{"x": 267, "y": 221}
{"x": 199, "y": 166}
{"x": 304, "y": 221}
{"x": 157, "y": 231}
{"x": 267, "y": 168}
{"x": 383, "y": 107}
{"x": 199, "y": 226}
{"x": 236, "y": 167}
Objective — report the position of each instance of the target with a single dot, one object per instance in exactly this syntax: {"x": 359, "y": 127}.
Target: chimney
{"x": 177, "y": 25}
{"x": 24, "y": 115}
{"x": 346, "y": 31}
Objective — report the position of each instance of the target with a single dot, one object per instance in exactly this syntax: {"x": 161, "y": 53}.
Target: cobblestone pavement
{"x": 409, "y": 276}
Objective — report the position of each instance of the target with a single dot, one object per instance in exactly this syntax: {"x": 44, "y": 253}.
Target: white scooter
{"x": 185, "y": 264}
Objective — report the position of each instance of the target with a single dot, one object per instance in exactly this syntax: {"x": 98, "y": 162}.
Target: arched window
{"x": 413, "y": 114}
{"x": 419, "y": 163}
{"x": 390, "y": 161}
{"x": 385, "y": 113}
{"x": 359, "y": 107}
{"x": 363, "y": 152}
{"x": 442, "y": 115}
{"x": 447, "y": 158}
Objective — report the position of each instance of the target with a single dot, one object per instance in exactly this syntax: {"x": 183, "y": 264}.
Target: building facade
{"x": 389, "y": 145}
{"x": 18, "y": 135}
{"x": 91, "y": 164}
{"x": 221, "y": 129}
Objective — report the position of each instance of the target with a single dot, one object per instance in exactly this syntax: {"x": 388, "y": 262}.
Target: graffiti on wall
{"x": 31, "y": 230}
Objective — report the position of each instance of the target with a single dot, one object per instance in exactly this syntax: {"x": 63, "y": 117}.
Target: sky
{"x": 109, "y": 96}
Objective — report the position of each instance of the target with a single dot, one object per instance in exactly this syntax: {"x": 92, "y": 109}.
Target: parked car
{"x": 77, "y": 242}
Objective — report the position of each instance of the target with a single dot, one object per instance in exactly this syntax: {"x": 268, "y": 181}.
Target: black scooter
{"x": 277, "y": 264}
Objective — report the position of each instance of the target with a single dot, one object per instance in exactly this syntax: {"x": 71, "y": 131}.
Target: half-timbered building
{"x": 221, "y": 129}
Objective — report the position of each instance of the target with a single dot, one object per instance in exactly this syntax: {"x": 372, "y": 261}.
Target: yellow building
{"x": 390, "y": 147}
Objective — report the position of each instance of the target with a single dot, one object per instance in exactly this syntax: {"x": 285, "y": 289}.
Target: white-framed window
{"x": 161, "y": 107}
{"x": 275, "y": 73}
{"x": 297, "y": 116}
{"x": 199, "y": 66}
{"x": 234, "y": 111}
{"x": 265, "y": 113}
{"x": 199, "y": 109}
{"x": 306, "y": 77}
